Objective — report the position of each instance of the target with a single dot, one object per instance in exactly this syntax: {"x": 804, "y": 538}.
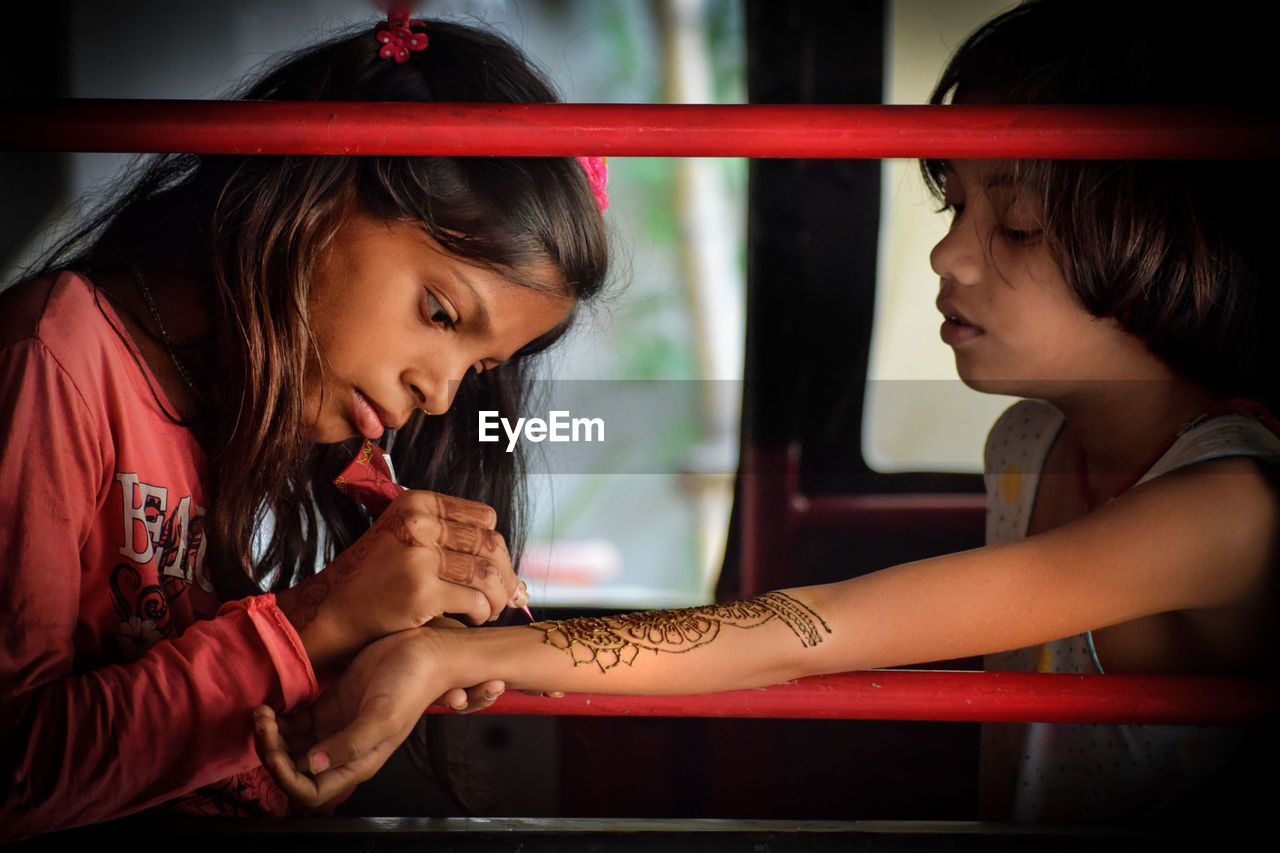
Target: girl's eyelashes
{"x": 434, "y": 312}
{"x": 1006, "y": 232}
{"x": 1019, "y": 235}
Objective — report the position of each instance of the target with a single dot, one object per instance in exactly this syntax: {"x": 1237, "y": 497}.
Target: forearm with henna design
{"x": 611, "y": 640}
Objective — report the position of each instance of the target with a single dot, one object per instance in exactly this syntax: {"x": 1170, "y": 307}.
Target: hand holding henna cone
{"x": 370, "y": 480}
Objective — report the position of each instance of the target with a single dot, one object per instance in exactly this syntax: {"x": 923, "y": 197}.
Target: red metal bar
{"x": 756, "y": 130}
{"x": 775, "y": 513}
{"x": 768, "y": 494}
{"x": 946, "y": 696}
{"x": 888, "y": 513}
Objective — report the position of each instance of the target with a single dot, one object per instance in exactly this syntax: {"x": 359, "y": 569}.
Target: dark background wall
{"x": 32, "y": 65}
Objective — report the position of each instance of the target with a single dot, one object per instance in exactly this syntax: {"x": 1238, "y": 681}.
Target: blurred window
{"x": 919, "y": 416}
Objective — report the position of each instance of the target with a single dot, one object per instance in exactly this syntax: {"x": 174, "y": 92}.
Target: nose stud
{"x": 421, "y": 396}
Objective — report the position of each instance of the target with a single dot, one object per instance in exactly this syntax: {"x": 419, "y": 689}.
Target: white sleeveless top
{"x": 1091, "y": 773}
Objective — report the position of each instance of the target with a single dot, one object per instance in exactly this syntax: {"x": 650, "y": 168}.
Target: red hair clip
{"x": 597, "y": 170}
{"x": 397, "y": 34}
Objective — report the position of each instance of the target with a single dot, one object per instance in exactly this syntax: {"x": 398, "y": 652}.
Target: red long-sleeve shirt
{"x": 124, "y": 682}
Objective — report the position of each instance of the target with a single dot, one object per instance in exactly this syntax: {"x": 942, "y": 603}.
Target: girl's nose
{"x": 957, "y": 255}
{"x": 433, "y": 391}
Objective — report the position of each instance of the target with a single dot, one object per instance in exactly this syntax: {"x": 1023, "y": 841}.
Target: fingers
{"x": 465, "y": 601}
{"x": 274, "y": 755}
{"x": 520, "y": 597}
{"x": 478, "y": 604}
{"x": 365, "y": 742}
{"x": 466, "y": 570}
{"x": 472, "y": 539}
{"x": 300, "y": 723}
{"x": 473, "y": 698}
{"x": 451, "y": 508}
{"x": 334, "y": 765}
{"x": 479, "y": 574}
{"x": 425, "y": 528}
{"x": 483, "y": 695}
{"x": 472, "y": 553}
{"x": 455, "y": 699}
{"x": 336, "y": 781}
{"x": 467, "y": 598}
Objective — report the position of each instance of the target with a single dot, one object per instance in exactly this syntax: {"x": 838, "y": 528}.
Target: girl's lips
{"x": 955, "y": 331}
{"x": 367, "y": 419}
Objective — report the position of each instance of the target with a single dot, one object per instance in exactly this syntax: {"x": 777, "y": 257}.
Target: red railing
{"x": 907, "y": 694}
{"x": 754, "y": 130}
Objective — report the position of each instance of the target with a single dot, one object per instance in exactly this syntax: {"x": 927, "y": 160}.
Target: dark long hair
{"x": 1172, "y": 249}
{"x": 251, "y": 230}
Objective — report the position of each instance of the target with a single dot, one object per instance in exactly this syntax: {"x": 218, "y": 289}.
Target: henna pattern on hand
{"x": 397, "y": 525}
{"x": 610, "y": 640}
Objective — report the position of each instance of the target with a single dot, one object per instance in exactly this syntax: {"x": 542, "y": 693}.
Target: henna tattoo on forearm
{"x": 611, "y": 640}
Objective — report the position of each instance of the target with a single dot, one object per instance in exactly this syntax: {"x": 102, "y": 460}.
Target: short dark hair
{"x": 1171, "y": 249}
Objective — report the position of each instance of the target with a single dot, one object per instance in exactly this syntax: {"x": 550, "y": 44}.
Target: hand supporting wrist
{"x": 455, "y": 654}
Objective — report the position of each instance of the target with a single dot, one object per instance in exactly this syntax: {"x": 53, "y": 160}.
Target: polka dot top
{"x": 1090, "y": 773}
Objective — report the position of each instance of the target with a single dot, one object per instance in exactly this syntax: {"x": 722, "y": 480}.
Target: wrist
{"x": 468, "y": 656}
{"x": 318, "y": 636}
{"x": 453, "y": 652}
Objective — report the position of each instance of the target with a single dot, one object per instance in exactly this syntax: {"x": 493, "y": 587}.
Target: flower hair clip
{"x": 398, "y": 35}
{"x": 597, "y": 169}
